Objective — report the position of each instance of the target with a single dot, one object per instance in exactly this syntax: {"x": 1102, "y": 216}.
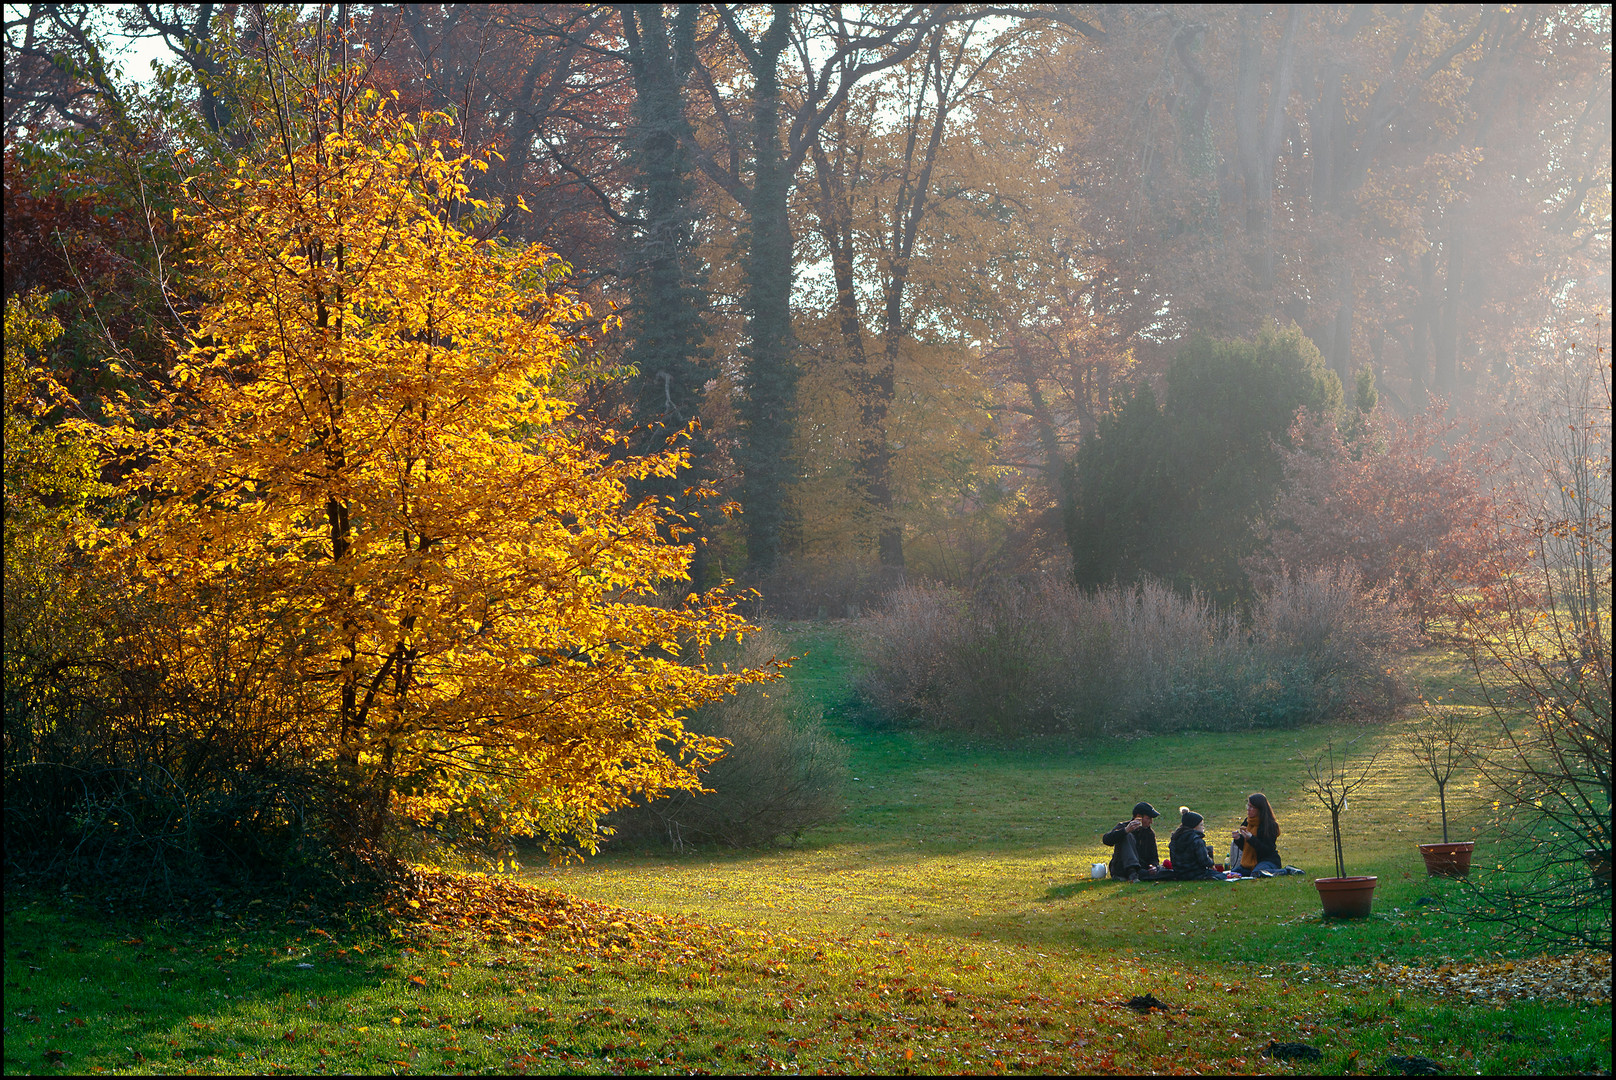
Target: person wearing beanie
{"x": 1135, "y": 844}
{"x": 1254, "y": 852}
{"x": 1188, "y": 850}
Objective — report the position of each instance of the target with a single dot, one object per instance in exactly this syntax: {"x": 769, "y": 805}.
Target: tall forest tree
{"x": 1419, "y": 188}
{"x": 541, "y": 86}
{"x": 754, "y": 155}
{"x": 665, "y": 321}
{"x": 873, "y": 195}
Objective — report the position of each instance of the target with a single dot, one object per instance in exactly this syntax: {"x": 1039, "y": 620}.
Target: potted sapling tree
{"x": 1439, "y": 744}
{"x": 1331, "y": 778}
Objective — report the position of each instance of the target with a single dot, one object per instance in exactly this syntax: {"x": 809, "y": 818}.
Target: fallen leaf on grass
{"x": 1581, "y": 977}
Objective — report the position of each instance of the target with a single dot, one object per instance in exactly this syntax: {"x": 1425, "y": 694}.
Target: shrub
{"x": 1404, "y": 501}
{"x": 133, "y": 769}
{"x": 1014, "y": 657}
{"x": 1337, "y": 634}
{"x": 1042, "y": 657}
{"x": 780, "y": 775}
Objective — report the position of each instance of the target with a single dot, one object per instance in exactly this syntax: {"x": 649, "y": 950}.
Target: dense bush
{"x": 781, "y": 774}
{"x": 129, "y": 768}
{"x": 1041, "y": 656}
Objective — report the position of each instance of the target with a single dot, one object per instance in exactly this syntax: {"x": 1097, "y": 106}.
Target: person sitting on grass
{"x": 1254, "y": 852}
{"x": 1188, "y": 851}
{"x": 1135, "y": 844}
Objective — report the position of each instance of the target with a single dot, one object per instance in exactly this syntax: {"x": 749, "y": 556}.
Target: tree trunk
{"x": 772, "y": 375}
{"x": 1442, "y": 800}
{"x": 1258, "y": 146}
{"x": 665, "y": 324}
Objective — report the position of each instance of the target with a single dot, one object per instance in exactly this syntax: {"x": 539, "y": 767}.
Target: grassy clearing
{"x": 946, "y": 923}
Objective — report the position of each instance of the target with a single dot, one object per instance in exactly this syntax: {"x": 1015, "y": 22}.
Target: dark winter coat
{"x": 1192, "y": 859}
{"x": 1134, "y": 850}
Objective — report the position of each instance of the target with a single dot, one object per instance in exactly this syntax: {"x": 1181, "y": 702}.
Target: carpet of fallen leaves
{"x": 875, "y": 1019}
{"x": 1583, "y": 977}
{"x": 507, "y": 912}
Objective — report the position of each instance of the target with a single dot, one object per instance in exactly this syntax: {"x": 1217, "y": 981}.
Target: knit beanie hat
{"x": 1146, "y": 809}
{"x": 1188, "y": 818}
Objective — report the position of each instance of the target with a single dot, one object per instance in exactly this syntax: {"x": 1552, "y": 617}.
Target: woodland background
{"x": 900, "y": 263}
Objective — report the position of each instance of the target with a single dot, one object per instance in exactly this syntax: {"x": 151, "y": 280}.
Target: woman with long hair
{"x": 1254, "y": 852}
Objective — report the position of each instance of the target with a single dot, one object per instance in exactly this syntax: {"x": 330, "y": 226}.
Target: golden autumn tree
{"x": 366, "y": 449}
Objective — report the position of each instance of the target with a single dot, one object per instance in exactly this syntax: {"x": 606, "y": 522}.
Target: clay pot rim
{"x": 1453, "y": 845}
{"x": 1356, "y": 879}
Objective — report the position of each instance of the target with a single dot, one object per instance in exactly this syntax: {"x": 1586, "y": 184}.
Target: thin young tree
{"x": 1441, "y": 744}
{"x": 1539, "y": 643}
{"x": 1331, "y": 778}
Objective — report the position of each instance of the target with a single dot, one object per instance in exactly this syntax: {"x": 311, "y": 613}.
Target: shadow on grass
{"x": 134, "y": 990}
{"x": 1064, "y": 892}
{"x": 90, "y": 994}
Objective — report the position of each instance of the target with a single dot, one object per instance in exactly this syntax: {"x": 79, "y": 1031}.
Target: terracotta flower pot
{"x": 1346, "y": 897}
{"x": 1448, "y": 860}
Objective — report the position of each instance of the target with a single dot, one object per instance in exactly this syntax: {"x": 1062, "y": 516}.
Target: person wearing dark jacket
{"x": 1188, "y": 851}
{"x": 1255, "y": 852}
{"x": 1135, "y": 844}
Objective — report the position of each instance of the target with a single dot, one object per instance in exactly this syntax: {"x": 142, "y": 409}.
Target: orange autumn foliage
{"x": 1405, "y": 503}
{"x": 366, "y": 449}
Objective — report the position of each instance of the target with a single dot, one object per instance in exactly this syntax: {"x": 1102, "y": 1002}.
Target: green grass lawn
{"x": 945, "y": 923}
